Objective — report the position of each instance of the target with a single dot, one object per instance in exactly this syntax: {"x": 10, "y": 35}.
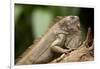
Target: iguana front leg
{"x": 57, "y": 45}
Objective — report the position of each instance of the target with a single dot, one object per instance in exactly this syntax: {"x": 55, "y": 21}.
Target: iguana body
{"x": 82, "y": 53}
{"x": 54, "y": 41}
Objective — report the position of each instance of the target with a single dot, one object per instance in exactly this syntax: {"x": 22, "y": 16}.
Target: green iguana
{"x": 62, "y": 37}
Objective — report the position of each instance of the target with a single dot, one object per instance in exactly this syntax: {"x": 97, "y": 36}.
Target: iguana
{"x": 62, "y": 37}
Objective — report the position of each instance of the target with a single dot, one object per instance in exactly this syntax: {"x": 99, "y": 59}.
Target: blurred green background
{"x": 31, "y": 21}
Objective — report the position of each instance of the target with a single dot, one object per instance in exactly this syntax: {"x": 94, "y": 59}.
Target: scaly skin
{"x": 54, "y": 42}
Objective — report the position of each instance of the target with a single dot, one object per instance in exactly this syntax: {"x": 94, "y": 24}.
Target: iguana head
{"x": 70, "y": 24}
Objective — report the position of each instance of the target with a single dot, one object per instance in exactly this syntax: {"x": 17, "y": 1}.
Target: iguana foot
{"x": 58, "y": 59}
